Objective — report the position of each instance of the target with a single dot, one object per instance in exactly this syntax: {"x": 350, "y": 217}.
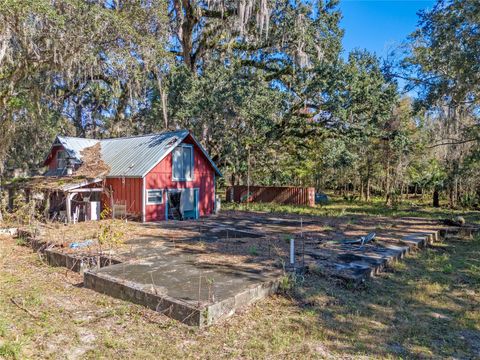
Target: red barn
{"x": 152, "y": 177}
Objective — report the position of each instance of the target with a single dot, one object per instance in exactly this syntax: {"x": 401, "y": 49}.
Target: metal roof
{"x": 74, "y": 145}
{"x": 132, "y": 156}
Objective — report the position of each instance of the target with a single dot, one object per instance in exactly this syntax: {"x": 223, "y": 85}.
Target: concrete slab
{"x": 200, "y": 272}
{"x": 354, "y": 263}
{"x": 76, "y": 262}
{"x": 419, "y": 240}
{"x": 194, "y": 293}
{"x": 8, "y": 231}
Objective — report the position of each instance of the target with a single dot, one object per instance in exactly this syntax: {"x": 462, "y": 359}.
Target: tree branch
{"x": 76, "y": 86}
{"x": 456, "y": 142}
{"x": 275, "y": 71}
{"x": 217, "y": 14}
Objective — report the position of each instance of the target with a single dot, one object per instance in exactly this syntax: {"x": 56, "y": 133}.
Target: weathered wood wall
{"x": 277, "y": 194}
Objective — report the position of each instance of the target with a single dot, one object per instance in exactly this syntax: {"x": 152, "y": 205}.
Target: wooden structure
{"x": 287, "y": 195}
{"x": 57, "y": 196}
{"x": 149, "y": 178}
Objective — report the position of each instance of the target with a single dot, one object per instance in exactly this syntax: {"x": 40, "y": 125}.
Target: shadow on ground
{"x": 426, "y": 307}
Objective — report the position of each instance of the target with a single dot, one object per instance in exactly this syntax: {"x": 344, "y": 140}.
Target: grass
{"x": 376, "y": 207}
{"x": 427, "y": 306}
{"x": 252, "y": 250}
{"x": 10, "y": 350}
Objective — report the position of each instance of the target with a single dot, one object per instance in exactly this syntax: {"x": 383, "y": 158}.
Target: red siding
{"x": 277, "y": 194}
{"x": 51, "y": 160}
{"x": 160, "y": 177}
{"x": 128, "y": 190}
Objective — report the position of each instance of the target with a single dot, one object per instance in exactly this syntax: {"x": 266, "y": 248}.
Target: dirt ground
{"x": 253, "y": 240}
{"x": 425, "y": 307}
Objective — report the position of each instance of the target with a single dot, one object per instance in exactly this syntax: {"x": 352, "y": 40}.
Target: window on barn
{"x": 61, "y": 159}
{"x": 182, "y": 163}
{"x": 154, "y": 196}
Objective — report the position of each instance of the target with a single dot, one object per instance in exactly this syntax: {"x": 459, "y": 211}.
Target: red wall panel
{"x": 130, "y": 190}
{"x": 160, "y": 177}
{"x": 127, "y": 190}
{"x": 51, "y": 160}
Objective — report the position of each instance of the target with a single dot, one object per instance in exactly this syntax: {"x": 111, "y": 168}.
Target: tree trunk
{"x": 457, "y": 191}
{"x": 451, "y": 195}
{"x": 361, "y": 189}
{"x": 11, "y": 199}
{"x": 367, "y": 190}
{"x": 436, "y": 198}
{"x": 1, "y": 194}
{"x": 163, "y": 98}
{"x": 187, "y": 21}
{"x": 79, "y": 130}
{"x": 388, "y": 199}
{"x": 453, "y": 184}
{"x": 163, "y": 95}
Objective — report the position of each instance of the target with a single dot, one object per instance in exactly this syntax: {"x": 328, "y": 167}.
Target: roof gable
{"x": 132, "y": 156}
{"x": 73, "y": 145}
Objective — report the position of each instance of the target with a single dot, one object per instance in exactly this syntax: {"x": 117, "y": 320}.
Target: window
{"x": 182, "y": 163}
{"x": 61, "y": 159}
{"x": 155, "y": 196}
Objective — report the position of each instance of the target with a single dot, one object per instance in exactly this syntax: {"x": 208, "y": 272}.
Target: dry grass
{"x": 136, "y": 235}
{"x": 233, "y": 247}
{"x": 61, "y": 234}
{"x": 338, "y": 207}
{"x": 425, "y": 307}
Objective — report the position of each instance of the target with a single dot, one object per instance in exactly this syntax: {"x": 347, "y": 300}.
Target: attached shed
{"x": 151, "y": 178}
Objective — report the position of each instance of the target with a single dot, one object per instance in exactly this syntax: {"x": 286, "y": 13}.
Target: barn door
{"x": 182, "y": 204}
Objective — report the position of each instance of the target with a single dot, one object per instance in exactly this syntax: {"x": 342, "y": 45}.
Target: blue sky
{"x": 379, "y": 25}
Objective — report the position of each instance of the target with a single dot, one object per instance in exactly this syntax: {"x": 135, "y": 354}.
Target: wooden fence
{"x": 277, "y": 194}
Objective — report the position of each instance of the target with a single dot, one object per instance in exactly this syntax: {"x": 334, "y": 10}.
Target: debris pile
{"x": 40, "y": 183}
{"x": 92, "y": 164}
{"x": 455, "y": 221}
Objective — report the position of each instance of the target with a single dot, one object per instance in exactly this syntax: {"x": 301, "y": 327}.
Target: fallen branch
{"x": 98, "y": 318}
{"x": 23, "y": 308}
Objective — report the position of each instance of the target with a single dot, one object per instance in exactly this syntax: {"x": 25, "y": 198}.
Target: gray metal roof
{"x": 132, "y": 156}
{"x": 74, "y": 145}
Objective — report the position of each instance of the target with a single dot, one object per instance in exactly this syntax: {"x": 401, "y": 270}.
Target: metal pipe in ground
{"x": 292, "y": 252}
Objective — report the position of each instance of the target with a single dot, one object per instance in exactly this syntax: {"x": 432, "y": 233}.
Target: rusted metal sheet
{"x": 277, "y": 194}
